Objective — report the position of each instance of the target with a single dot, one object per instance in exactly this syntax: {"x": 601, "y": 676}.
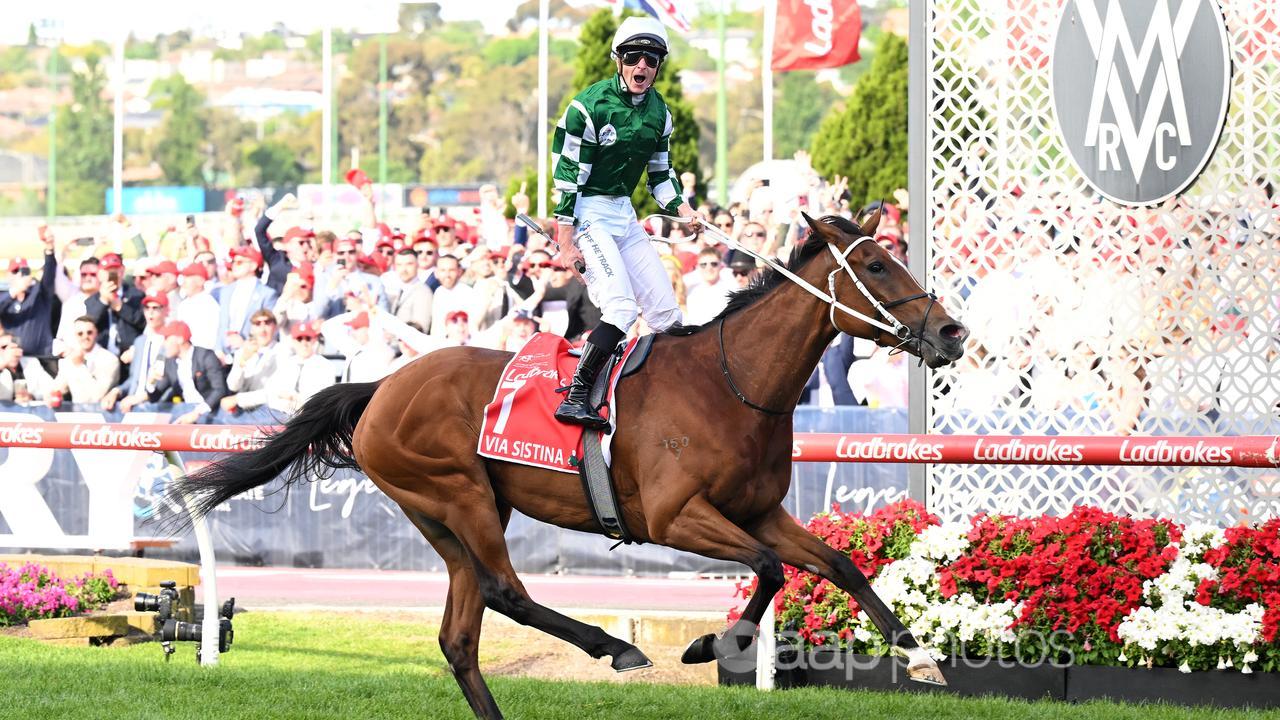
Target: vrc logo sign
{"x": 1140, "y": 90}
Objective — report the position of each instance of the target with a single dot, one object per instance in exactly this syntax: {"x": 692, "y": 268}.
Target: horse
{"x": 701, "y": 460}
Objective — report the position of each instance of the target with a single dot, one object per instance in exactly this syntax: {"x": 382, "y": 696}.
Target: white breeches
{"x": 624, "y": 275}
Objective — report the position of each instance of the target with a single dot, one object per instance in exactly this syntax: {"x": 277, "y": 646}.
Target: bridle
{"x": 887, "y": 323}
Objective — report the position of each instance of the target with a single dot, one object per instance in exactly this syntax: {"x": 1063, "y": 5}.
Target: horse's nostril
{"x": 954, "y": 331}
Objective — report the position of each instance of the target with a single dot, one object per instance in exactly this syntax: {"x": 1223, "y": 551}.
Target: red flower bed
{"x": 1080, "y": 574}
{"x": 1064, "y": 584}
{"x": 1248, "y": 568}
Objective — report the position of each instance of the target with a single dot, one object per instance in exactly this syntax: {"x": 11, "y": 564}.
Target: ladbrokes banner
{"x": 812, "y": 34}
{"x": 84, "y": 498}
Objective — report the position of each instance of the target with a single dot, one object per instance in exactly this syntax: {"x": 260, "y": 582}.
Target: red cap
{"x": 247, "y": 252}
{"x": 160, "y": 300}
{"x": 357, "y": 177}
{"x": 306, "y": 329}
{"x": 456, "y": 315}
{"x": 385, "y": 241}
{"x": 177, "y": 328}
{"x": 444, "y": 221}
{"x": 235, "y": 206}
{"x": 162, "y": 267}
{"x": 17, "y": 264}
{"x": 306, "y": 273}
{"x": 359, "y": 321}
{"x": 297, "y": 232}
{"x": 110, "y": 261}
{"x": 423, "y": 235}
{"x": 370, "y": 261}
{"x": 196, "y": 269}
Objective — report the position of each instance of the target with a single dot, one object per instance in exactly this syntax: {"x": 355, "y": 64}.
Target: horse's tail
{"x": 316, "y": 440}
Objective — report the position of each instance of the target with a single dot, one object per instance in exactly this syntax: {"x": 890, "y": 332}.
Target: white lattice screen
{"x": 1090, "y": 317}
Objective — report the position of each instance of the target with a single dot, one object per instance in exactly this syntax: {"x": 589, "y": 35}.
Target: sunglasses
{"x": 306, "y": 338}
{"x": 756, "y": 234}
{"x": 708, "y": 264}
{"x": 263, "y": 322}
{"x": 346, "y": 252}
{"x": 541, "y": 265}
{"x": 387, "y": 251}
{"x": 428, "y": 253}
{"x": 633, "y": 57}
{"x": 741, "y": 273}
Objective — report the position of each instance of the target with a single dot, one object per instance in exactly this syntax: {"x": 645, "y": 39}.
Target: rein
{"x": 893, "y": 326}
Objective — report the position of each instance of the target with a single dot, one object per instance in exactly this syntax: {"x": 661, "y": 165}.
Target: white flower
{"x": 942, "y": 543}
{"x": 1250, "y": 657}
{"x": 1246, "y": 670}
{"x": 1184, "y": 668}
{"x": 1122, "y": 657}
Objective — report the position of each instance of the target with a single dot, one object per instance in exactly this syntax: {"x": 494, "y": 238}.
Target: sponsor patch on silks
{"x": 520, "y": 424}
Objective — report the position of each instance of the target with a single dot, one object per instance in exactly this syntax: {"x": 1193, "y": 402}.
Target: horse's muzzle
{"x": 946, "y": 346}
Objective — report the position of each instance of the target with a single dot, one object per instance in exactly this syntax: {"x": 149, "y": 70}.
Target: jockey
{"x": 610, "y": 133}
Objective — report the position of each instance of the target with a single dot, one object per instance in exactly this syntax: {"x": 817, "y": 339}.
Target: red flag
{"x": 812, "y": 34}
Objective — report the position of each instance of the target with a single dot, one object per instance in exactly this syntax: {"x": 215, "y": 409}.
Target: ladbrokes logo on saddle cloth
{"x": 520, "y": 424}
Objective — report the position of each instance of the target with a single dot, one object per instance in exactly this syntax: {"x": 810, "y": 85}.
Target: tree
{"x": 184, "y": 132}
{"x": 595, "y": 42}
{"x": 227, "y": 136}
{"x": 485, "y": 126}
{"x": 273, "y": 163}
{"x": 409, "y": 77}
{"x": 594, "y": 63}
{"x": 797, "y": 114}
{"x": 867, "y": 139}
{"x": 84, "y": 143}
{"x": 416, "y": 18}
{"x": 32, "y": 39}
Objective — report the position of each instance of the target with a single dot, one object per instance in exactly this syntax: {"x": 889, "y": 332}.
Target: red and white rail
{"x": 1249, "y": 451}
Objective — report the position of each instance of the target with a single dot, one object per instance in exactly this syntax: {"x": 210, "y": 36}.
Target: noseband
{"x": 904, "y": 334}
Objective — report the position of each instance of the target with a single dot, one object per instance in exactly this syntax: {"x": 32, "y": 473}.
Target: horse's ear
{"x": 820, "y": 229}
{"x": 872, "y": 222}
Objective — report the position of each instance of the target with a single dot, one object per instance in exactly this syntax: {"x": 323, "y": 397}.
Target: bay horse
{"x": 701, "y": 459}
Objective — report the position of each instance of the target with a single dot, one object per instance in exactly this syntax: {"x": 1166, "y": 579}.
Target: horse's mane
{"x": 770, "y": 278}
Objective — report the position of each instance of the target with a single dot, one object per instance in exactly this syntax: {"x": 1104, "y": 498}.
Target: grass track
{"x": 357, "y": 666}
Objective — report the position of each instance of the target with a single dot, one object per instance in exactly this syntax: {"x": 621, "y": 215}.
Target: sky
{"x": 84, "y": 20}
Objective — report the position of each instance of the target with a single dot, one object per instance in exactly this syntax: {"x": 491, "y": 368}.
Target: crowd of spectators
{"x": 259, "y": 307}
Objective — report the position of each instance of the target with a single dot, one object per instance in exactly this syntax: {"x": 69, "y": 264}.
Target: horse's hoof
{"x": 921, "y": 667}
{"x": 631, "y": 659}
{"x": 701, "y": 650}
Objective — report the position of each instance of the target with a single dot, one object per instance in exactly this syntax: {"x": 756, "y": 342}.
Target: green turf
{"x": 331, "y": 665}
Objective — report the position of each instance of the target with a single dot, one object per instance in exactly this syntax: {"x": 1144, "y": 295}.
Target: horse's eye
{"x": 876, "y": 267}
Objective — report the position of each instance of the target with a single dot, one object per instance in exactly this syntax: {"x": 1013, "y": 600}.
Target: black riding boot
{"x": 576, "y": 408}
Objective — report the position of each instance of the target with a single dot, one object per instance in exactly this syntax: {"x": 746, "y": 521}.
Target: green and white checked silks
{"x": 604, "y": 141}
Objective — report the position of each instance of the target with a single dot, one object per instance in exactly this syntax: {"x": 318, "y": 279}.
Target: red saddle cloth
{"x": 520, "y": 424}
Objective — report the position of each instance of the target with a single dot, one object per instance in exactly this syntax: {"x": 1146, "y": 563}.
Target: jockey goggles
{"x": 632, "y": 57}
